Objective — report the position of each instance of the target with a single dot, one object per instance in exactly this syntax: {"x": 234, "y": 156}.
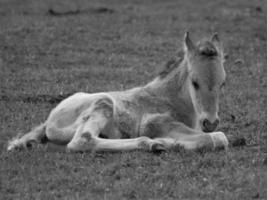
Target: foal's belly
{"x": 127, "y": 124}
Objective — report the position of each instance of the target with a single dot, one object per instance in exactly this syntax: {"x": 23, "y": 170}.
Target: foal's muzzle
{"x": 208, "y": 126}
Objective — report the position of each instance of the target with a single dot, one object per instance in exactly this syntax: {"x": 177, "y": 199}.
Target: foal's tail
{"x": 24, "y": 141}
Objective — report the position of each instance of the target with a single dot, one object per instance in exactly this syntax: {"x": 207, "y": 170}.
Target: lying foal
{"x": 178, "y": 107}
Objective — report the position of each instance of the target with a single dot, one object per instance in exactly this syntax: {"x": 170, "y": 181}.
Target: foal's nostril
{"x": 208, "y": 126}
{"x": 206, "y": 123}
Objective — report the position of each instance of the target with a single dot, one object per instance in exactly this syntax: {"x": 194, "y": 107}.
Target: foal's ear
{"x": 215, "y": 38}
{"x": 188, "y": 44}
{"x": 216, "y": 41}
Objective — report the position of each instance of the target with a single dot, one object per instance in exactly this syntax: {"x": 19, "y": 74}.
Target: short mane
{"x": 171, "y": 65}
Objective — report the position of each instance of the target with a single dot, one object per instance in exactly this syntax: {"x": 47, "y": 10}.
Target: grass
{"x": 105, "y": 45}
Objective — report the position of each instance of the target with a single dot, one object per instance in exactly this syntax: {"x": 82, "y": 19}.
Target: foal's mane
{"x": 172, "y": 64}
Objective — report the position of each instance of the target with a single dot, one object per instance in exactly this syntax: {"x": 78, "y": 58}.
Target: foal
{"x": 179, "y": 107}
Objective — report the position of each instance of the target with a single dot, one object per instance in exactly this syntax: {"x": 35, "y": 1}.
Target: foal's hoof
{"x": 30, "y": 144}
{"x": 157, "y": 148}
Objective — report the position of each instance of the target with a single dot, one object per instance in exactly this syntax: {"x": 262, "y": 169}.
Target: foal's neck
{"x": 174, "y": 88}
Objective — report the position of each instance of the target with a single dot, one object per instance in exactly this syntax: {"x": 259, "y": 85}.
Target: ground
{"x": 51, "y": 49}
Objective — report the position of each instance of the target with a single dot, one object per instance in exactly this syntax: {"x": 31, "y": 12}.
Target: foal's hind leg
{"x": 89, "y": 128}
{"x": 93, "y": 122}
{"x": 36, "y": 135}
{"x": 86, "y": 137}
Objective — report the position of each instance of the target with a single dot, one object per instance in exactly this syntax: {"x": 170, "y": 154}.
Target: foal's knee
{"x": 85, "y": 142}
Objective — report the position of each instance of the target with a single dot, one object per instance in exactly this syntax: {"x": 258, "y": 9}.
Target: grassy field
{"x": 50, "y": 49}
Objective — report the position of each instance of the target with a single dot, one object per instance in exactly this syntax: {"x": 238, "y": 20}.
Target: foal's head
{"x": 206, "y": 78}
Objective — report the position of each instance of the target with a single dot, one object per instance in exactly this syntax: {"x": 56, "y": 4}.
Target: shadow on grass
{"x": 99, "y": 10}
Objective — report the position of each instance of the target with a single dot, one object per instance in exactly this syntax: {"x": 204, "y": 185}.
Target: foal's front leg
{"x": 197, "y": 140}
{"x": 172, "y": 133}
{"x": 194, "y": 140}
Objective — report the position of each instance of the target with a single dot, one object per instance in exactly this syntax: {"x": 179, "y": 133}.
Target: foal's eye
{"x": 195, "y": 84}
